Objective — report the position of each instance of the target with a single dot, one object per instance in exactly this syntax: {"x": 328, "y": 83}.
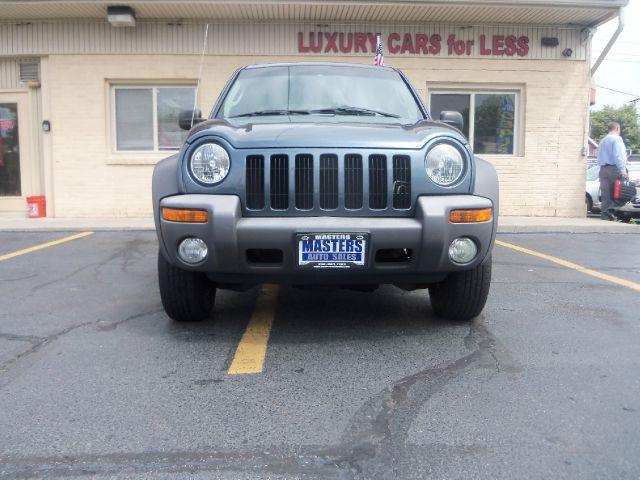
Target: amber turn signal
{"x": 185, "y": 215}
{"x": 471, "y": 216}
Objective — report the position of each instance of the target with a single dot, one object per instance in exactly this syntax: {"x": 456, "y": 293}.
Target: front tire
{"x": 462, "y": 295}
{"x": 186, "y": 296}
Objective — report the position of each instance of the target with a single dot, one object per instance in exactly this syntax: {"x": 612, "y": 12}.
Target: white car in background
{"x": 593, "y": 197}
{"x": 631, "y": 209}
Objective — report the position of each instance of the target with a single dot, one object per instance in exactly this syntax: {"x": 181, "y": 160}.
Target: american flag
{"x": 379, "y": 60}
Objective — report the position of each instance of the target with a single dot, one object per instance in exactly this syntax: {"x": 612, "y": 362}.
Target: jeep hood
{"x": 327, "y": 132}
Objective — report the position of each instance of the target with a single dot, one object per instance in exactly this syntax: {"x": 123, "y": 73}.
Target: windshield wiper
{"x": 265, "y": 113}
{"x": 354, "y": 111}
{"x": 334, "y": 111}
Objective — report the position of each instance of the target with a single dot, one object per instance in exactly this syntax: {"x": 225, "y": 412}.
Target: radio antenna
{"x": 204, "y": 48}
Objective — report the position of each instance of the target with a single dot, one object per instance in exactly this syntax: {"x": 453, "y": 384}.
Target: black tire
{"x": 186, "y": 296}
{"x": 625, "y": 218}
{"x": 462, "y": 295}
{"x": 589, "y": 203}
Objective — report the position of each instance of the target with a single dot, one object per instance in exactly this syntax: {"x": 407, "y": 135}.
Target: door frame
{"x": 30, "y": 175}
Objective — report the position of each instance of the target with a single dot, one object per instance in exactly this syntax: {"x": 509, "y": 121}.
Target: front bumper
{"x": 229, "y": 235}
{"x": 630, "y": 208}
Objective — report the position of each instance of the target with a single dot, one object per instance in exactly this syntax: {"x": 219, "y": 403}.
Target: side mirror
{"x": 452, "y": 118}
{"x": 188, "y": 118}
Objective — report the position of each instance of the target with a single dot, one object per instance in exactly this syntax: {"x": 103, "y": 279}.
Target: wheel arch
{"x": 164, "y": 183}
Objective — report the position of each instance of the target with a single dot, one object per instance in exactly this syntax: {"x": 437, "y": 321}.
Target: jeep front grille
{"x": 327, "y": 182}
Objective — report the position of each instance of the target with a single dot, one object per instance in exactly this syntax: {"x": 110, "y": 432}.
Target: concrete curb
{"x": 76, "y": 224}
{"x": 621, "y": 229}
{"x": 563, "y": 225}
{"x": 506, "y": 225}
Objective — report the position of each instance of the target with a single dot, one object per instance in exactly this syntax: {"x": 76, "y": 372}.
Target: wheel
{"x": 186, "y": 296}
{"x": 462, "y": 295}
{"x": 589, "y": 203}
{"x": 625, "y": 218}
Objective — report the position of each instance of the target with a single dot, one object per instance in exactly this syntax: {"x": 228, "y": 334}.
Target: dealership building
{"x": 90, "y": 90}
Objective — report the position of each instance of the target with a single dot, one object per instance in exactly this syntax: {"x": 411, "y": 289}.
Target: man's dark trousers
{"x": 608, "y": 175}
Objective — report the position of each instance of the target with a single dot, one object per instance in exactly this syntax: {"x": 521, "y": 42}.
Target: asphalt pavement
{"x": 97, "y": 382}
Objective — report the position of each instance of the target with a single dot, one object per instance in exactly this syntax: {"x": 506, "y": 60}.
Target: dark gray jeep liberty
{"x": 324, "y": 174}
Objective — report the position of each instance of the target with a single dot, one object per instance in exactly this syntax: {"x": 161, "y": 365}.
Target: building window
{"x": 490, "y": 118}
{"x": 145, "y": 119}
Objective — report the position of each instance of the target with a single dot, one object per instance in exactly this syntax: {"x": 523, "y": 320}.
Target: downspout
{"x": 612, "y": 40}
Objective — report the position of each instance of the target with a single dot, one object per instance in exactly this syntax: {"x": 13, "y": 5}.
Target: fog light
{"x": 462, "y": 250}
{"x": 192, "y": 250}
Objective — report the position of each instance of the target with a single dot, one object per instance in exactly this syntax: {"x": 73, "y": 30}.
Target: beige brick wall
{"x": 89, "y": 180}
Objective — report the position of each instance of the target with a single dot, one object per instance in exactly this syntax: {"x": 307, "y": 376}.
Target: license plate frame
{"x": 329, "y": 260}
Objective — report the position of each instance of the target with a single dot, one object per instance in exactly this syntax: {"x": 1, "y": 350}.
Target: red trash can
{"x": 37, "y": 206}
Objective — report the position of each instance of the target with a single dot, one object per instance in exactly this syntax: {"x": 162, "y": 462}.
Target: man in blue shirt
{"x": 612, "y": 158}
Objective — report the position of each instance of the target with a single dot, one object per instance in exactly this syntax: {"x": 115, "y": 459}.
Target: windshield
{"x": 592, "y": 173}
{"x": 323, "y": 90}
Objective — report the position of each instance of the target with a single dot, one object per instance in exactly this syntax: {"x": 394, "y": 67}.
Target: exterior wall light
{"x": 121, "y": 16}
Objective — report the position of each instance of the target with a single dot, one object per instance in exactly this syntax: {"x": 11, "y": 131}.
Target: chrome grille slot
{"x": 401, "y": 181}
{"x": 353, "y": 181}
{"x": 254, "y": 178}
{"x": 279, "y": 182}
{"x": 377, "y": 182}
{"x": 304, "y": 181}
{"x": 328, "y": 181}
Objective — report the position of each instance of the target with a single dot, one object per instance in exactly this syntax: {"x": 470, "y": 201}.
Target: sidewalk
{"x": 506, "y": 225}
{"x": 563, "y": 225}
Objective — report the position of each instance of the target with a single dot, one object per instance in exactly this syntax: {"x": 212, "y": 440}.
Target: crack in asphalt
{"x": 377, "y": 435}
{"x": 21, "y": 338}
{"x": 371, "y": 446}
{"x": 36, "y": 288}
{"x": 38, "y": 343}
{"x": 302, "y": 461}
{"x": 20, "y": 278}
{"x": 129, "y": 254}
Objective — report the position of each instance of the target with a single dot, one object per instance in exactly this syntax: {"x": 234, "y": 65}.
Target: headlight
{"x": 444, "y": 164}
{"x": 209, "y": 163}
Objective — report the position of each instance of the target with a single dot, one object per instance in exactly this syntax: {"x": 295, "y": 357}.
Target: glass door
{"x": 19, "y": 168}
{"x": 10, "y": 172}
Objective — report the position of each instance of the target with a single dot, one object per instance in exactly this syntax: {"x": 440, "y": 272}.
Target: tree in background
{"x": 626, "y": 116}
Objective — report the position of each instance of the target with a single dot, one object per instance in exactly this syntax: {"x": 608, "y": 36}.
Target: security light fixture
{"x": 121, "y": 16}
{"x": 550, "y": 41}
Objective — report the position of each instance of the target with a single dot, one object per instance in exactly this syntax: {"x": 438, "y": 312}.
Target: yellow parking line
{"x": 35, "y": 248}
{"x": 574, "y": 266}
{"x": 249, "y": 357}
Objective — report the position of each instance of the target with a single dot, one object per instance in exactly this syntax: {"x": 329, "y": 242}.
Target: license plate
{"x": 332, "y": 250}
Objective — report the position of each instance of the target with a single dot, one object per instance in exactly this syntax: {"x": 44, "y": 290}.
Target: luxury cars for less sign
{"x": 413, "y": 44}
